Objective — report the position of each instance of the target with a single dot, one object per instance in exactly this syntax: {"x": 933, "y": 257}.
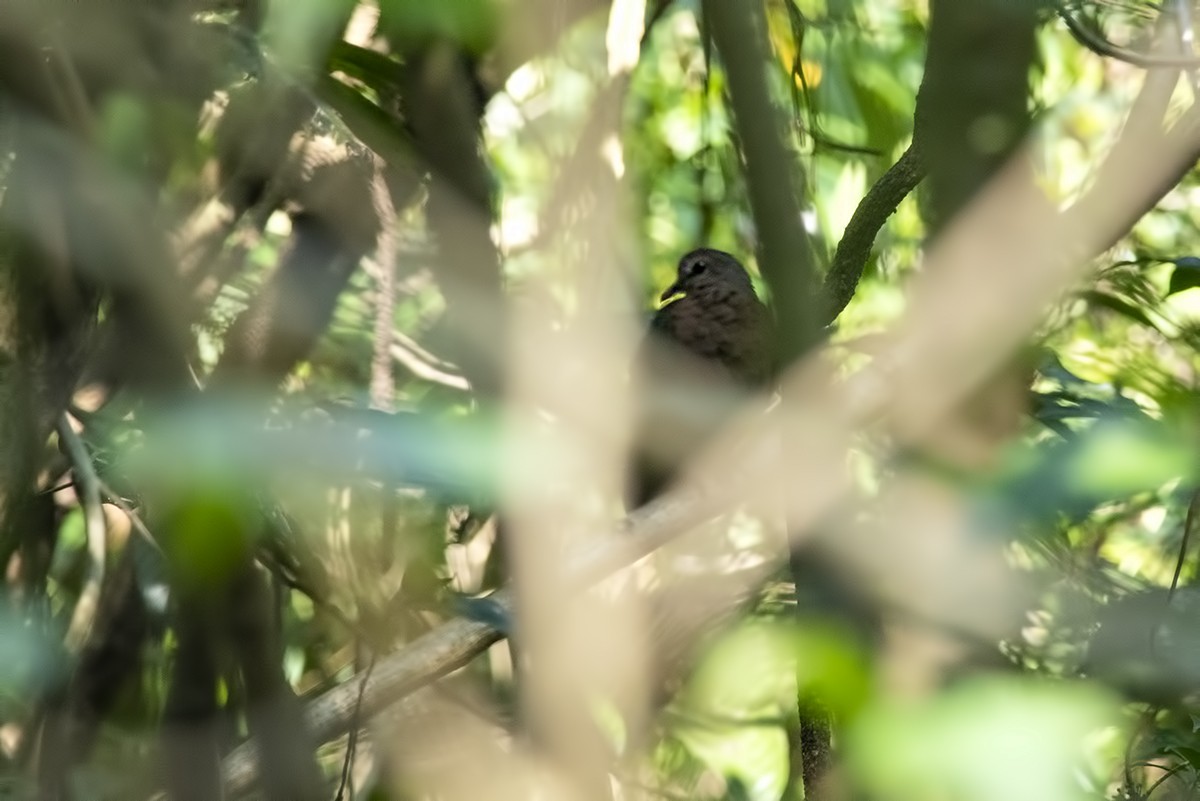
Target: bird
{"x": 706, "y": 349}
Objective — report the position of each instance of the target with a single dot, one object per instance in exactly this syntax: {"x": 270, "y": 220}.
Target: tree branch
{"x": 873, "y": 211}
{"x": 458, "y": 641}
{"x": 424, "y": 660}
{"x": 786, "y": 256}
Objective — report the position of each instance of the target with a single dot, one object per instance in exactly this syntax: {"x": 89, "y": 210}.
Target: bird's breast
{"x": 720, "y": 327}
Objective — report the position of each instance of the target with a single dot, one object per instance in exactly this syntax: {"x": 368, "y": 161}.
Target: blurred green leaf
{"x": 1118, "y": 459}
{"x": 413, "y": 24}
{"x": 988, "y": 739}
{"x": 210, "y": 536}
{"x": 739, "y": 700}
{"x": 125, "y": 132}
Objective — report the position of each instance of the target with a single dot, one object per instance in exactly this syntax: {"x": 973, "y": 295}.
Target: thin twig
{"x": 1168, "y": 774}
{"x": 1095, "y": 42}
{"x": 1145, "y": 720}
{"x": 1187, "y": 38}
{"x": 134, "y": 518}
{"x": 69, "y": 92}
{"x": 58, "y": 488}
{"x": 95, "y": 530}
{"x": 352, "y": 737}
{"x": 1189, "y": 525}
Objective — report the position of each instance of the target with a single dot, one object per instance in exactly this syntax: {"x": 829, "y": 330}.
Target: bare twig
{"x": 84, "y": 615}
{"x": 352, "y": 740}
{"x": 455, "y": 643}
{"x": 70, "y": 94}
{"x": 134, "y": 518}
{"x": 1189, "y": 525}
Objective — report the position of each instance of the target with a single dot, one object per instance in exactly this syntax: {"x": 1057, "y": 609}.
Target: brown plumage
{"x": 704, "y": 352}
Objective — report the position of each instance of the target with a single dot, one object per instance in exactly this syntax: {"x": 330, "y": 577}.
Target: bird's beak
{"x": 670, "y": 292}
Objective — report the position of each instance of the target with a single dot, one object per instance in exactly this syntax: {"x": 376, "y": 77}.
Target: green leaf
{"x": 374, "y": 69}
{"x": 988, "y": 739}
{"x": 1119, "y": 459}
{"x": 1186, "y": 274}
{"x": 413, "y": 24}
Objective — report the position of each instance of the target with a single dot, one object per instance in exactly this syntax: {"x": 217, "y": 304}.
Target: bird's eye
{"x": 699, "y": 267}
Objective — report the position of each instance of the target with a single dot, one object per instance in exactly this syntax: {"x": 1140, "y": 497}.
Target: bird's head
{"x": 705, "y": 268}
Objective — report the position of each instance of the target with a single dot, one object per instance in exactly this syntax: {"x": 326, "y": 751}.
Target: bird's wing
{"x": 681, "y": 399}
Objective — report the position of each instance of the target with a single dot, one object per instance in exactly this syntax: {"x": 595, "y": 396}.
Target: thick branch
{"x": 426, "y": 659}
{"x": 972, "y": 109}
{"x": 786, "y": 255}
